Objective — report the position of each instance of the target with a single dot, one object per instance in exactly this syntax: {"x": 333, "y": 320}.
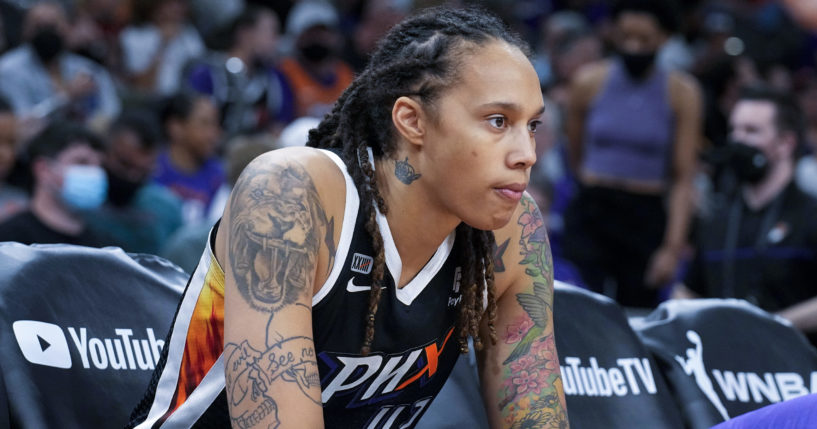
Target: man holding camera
{"x": 760, "y": 242}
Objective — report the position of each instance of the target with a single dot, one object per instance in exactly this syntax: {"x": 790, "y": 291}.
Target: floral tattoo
{"x": 531, "y": 391}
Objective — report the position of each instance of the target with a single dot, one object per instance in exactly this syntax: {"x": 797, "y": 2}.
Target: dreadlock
{"x": 419, "y": 57}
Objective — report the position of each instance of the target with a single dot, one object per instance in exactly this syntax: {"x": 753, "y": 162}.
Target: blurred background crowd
{"x": 125, "y": 123}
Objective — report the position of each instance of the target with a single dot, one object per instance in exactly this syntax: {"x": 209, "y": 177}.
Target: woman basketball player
{"x": 345, "y": 278}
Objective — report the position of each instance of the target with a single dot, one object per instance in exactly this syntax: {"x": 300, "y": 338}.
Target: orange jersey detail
{"x": 205, "y": 337}
{"x": 308, "y": 92}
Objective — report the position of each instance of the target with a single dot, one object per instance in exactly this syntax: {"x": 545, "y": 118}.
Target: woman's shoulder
{"x": 682, "y": 82}
{"x": 589, "y": 80}
{"x": 303, "y": 170}
{"x": 684, "y": 90}
{"x": 287, "y": 182}
{"x": 593, "y": 73}
{"x": 318, "y": 165}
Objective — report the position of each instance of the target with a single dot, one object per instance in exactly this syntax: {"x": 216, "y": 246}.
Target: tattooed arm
{"x": 521, "y": 382}
{"x": 269, "y": 243}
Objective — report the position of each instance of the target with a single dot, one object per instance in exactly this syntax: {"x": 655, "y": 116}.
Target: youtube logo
{"x": 42, "y": 343}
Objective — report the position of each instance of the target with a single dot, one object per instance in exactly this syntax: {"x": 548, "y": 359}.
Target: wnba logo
{"x": 361, "y": 263}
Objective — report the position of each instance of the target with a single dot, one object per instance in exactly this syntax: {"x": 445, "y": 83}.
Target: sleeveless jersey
{"x": 630, "y": 128}
{"x": 414, "y": 350}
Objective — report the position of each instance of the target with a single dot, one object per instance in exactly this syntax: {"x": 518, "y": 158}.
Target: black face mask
{"x": 637, "y": 65}
{"x": 748, "y": 162}
{"x": 120, "y": 190}
{"x": 315, "y": 52}
{"x": 47, "y": 44}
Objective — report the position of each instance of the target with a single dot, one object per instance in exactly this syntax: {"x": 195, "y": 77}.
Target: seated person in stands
{"x": 68, "y": 179}
{"x": 138, "y": 213}
{"x": 189, "y": 166}
{"x": 42, "y": 79}
{"x": 760, "y": 242}
{"x": 249, "y": 90}
{"x": 315, "y": 71}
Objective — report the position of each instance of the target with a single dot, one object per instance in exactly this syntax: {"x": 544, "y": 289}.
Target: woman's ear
{"x": 409, "y": 118}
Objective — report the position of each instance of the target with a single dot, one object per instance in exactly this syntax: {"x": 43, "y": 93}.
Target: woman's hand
{"x": 662, "y": 267}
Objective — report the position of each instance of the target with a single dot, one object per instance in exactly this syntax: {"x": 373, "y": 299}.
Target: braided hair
{"x": 419, "y": 57}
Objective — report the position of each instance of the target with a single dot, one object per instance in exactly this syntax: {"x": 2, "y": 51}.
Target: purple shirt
{"x": 196, "y": 189}
{"x": 630, "y": 128}
{"x": 797, "y": 413}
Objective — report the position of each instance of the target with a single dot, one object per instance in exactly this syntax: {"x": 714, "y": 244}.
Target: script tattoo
{"x": 531, "y": 392}
{"x": 251, "y": 373}
{"x": 405, "y": 172}
{"x": 275, "y": 234}
{"x": 276, "y": 227}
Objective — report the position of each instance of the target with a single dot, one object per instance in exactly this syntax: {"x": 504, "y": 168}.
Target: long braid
{"x": 475, "y": 310}
{"x": 488, "y": 242}
{"x": 377, "y": 242}
{"x": 477, "y": 282}
{"x": 467, "y": 285}
{"x": 418, "y": 57}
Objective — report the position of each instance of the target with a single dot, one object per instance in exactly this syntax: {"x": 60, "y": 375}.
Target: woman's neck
{"x": 183, "y": 159}
{"x": 417, "y": 226}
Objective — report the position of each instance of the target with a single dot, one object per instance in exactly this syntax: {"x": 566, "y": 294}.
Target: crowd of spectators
{"x": 170, "y": 98}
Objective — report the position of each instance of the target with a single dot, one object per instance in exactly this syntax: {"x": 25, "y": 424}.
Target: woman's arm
{"x": 521, "y": 381}
{"x": 274, "y": 226}
{"x": 685, "y": 96}
{"x": 583, "y": 89}
{"x": 802, "y": 315}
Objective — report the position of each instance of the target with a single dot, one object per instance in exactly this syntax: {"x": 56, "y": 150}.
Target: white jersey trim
{"x": 200, "y": 399}
{"x": 408, "y": 293}
{"x": 347, "y": 230}
{"x": 169, "y": 379}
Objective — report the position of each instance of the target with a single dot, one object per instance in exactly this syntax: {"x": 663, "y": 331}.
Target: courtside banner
{"x": 610, "y": 379}
{"x": 81, "y": 330}
{"x": 725, "y": 357}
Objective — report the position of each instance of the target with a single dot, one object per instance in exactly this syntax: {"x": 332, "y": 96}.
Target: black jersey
{"x": 414, "y": 350}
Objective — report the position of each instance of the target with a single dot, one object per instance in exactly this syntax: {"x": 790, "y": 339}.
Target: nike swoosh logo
{"x": 352, "y": 287}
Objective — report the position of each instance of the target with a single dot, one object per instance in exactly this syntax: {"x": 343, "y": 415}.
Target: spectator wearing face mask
{"x": 68, "y": 180}
{"x": 138, "y": 213}
{"x": 315, "y": 71}
{"x": 633, "y": 130}
{"x": 41, "y": 79}
{"x": 760, "y": 242}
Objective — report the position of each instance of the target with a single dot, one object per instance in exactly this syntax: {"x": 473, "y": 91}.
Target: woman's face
{"x": 638, "y": 33}
{"x": 478, "y": 151}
